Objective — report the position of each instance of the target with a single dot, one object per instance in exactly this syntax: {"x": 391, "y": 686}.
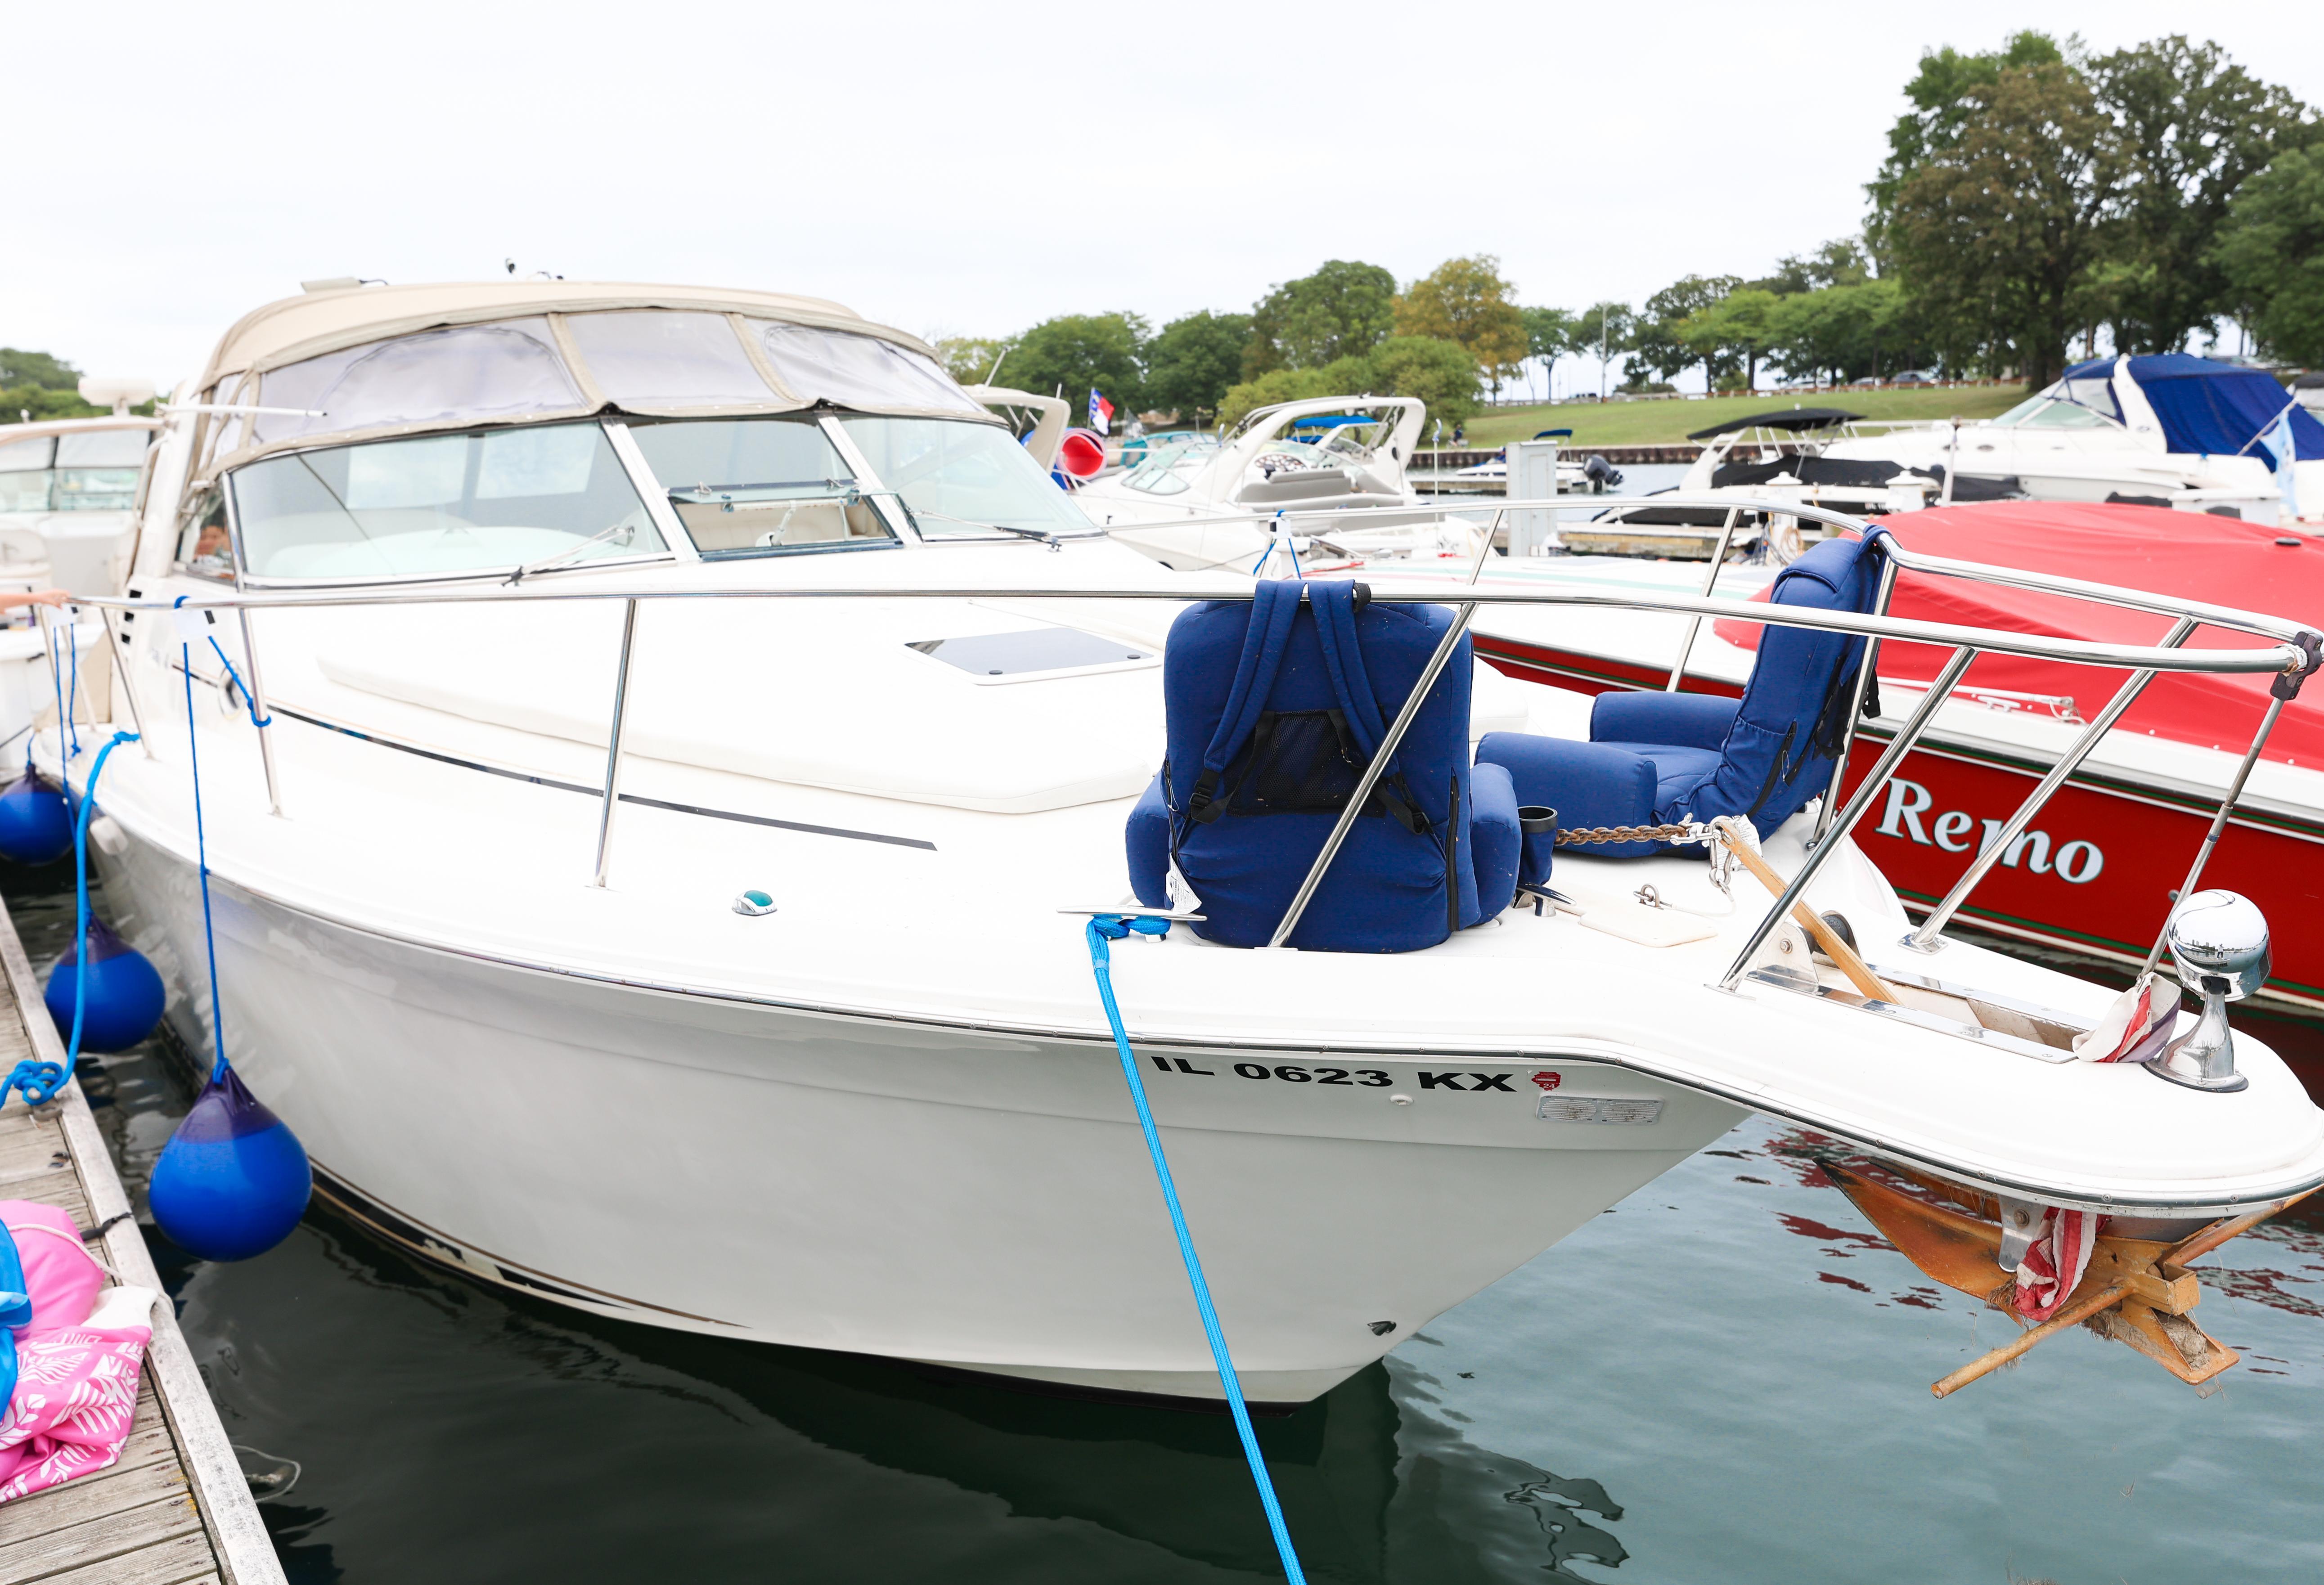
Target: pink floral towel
{"x": 76, "y": 1396}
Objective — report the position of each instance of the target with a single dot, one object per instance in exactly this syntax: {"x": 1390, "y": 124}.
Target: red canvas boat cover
{"x": 2221, "y": 561}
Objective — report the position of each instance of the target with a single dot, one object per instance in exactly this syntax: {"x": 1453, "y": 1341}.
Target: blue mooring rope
{"x": 80, "y": 883}
{"x": 202, "y": 856}
{"x": 1102, "y": 930}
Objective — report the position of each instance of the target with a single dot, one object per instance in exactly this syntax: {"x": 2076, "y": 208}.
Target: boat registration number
{"x": 1594, "y": 1109}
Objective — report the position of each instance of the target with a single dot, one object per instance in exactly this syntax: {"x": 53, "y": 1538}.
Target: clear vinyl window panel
{"x": 657, "y": 358}
{"x": 963, "y": 480}
{"x": 851, "y": 370}
{"x": 442, "y": 504}
{"x": 510, "y": 368}
{"x": 760, "y": 486}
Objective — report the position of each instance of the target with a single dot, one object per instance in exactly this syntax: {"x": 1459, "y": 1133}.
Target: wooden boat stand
{"x": 2136, "y": 1291}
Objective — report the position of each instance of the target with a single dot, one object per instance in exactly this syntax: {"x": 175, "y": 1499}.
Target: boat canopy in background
{"x": 2191, "y": 556}
{"x": 2212, "y": 409}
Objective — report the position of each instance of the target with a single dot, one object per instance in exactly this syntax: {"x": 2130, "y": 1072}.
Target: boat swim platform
{"x": 174, "y": 1509}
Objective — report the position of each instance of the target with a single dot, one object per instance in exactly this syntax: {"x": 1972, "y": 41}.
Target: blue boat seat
{"x": 1660, "y": 759}
{"x": 1276, "y": 707}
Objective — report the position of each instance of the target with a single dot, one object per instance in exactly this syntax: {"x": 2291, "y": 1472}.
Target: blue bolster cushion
{"x": 1588, "y": 784}
{"x": 1685, "y": 721}
{"x": 1494, "y": 839}
{"x": 1148, "y": 835}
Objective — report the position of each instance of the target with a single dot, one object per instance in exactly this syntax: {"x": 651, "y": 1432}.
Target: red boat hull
{"x": 2094, "y": 876}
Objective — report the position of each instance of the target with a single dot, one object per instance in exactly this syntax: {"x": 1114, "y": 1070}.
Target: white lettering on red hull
{"x": 2077, "y": 863}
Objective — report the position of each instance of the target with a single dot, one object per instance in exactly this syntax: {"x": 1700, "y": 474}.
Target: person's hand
{"x": 9, "y": 602}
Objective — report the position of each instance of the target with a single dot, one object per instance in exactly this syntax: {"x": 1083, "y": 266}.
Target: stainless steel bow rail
{"x": 2288, "y": 651}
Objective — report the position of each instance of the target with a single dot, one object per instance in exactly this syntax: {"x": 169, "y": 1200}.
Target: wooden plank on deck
{"x": 173, "y": 1509}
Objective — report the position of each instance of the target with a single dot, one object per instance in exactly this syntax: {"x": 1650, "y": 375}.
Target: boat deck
{"x": 174, "y": 1507}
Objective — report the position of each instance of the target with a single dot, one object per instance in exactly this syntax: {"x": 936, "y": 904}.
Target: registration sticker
{"x": 1595, "y": 1109}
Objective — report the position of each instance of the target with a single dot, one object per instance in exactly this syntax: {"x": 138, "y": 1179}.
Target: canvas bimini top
{"x": 2206, "y": 407}
{"x": 358, "y": 362}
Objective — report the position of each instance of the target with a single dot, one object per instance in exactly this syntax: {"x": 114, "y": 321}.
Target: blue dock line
{"x": 1100, "y": 931}
{"x": 81, "y": 886}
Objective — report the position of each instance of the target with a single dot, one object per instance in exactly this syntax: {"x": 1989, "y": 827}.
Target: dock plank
{"x": 173, "y": 1508}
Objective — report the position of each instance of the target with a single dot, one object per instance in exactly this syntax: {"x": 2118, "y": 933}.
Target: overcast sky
{"x": 953, "y": 169}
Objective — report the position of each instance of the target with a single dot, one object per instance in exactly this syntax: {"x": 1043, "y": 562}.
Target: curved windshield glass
{"x": 965, "y": 480}
{"x": 753, "y": 486}
{"x": 553, "y": 494}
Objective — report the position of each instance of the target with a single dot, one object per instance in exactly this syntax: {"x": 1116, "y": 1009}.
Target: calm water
{"x": 1725, "y": 1378}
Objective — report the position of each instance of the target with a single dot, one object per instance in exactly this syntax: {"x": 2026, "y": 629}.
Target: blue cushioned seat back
{"x": 1275, "y": 707}
{"x": 1779, "y": 752}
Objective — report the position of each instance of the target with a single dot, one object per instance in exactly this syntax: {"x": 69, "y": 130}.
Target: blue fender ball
{"x": 125, "y": 999}
{"x": 36, "y": 823}
{"x": 233, "y": 1180}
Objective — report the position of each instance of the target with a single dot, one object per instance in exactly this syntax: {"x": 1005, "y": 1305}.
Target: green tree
{"x": 2191, "y": 127}
{"x": 1603, "y": 330}
{"x": 1442, "y": 373}
{"x": 1552, "y": 333}
{"x": 2271, "y": 255}
{"x": 970, "y": 359}
{"x": 1659, "y": 343}
{"x": 1071, "y": 353}
{"x": 1741, "y": 327}
{"x": 1841, "y": 261}
{"x": 1190, "y": 365}
{"x": 34, "y": 403}
{"x": 1941, "y": 95}
{"x": 2002, "y": 234}
{"x": 1465, "y": 301}
{"x": 37, "y": 369}
{"x": 1343, "y": 308}
{"x": 1855, "y": 331}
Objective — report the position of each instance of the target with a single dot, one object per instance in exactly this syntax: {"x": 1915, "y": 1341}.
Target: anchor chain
{"x": 1591, "y": 835}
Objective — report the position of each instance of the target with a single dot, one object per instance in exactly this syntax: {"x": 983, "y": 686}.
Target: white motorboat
{"x": 561, "y": 614}
{"x": 72, "y": 484}
{"x": 2170, "y": 430}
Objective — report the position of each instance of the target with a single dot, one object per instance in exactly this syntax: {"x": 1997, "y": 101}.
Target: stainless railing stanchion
{"x": 614, "y": 744}
{"x": 1924, "y": 939}
{"x": 1694, "y": 623}
{"x": 1866, "y": 670}
{"x": 1890, "y": 759}
{"x": 128, "y": 689}
{"x": 258, "y": 715}
{"x": 1373, "y": 772}
{"x": 2219, "y": 824}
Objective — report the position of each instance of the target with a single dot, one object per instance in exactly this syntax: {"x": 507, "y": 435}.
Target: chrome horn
{"x": 2218, "y": 943}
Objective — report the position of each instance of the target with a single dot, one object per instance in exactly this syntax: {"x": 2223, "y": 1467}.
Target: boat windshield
{"x": 440, "y": 505}
{"x": 1164, "y": 464}
{"x": 93, "y": 470}
{"x": 965, "y": 480}
{"x": 760, "y": 486}
{"x": 2086, "y": 403}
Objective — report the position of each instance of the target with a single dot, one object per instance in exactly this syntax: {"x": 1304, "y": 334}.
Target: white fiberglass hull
{"x": 970, "y": 1198}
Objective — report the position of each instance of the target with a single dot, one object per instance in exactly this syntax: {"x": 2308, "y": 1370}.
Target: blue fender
{"x": 233, "y": 1180}
{"x": 123, "y": 1004}
{"x": 36, "y": 823}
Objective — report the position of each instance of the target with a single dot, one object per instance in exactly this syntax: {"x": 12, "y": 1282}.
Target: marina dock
{"x": 174, "y": 1509}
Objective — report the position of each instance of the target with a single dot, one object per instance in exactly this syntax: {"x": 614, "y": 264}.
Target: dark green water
{"x": 1723, "y": 1379}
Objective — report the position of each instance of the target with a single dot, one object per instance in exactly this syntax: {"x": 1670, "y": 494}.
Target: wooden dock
{"x": 174, "y": 1509}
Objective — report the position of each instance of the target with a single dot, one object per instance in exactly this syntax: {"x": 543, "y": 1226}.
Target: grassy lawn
{"x": 1641, "y": 423}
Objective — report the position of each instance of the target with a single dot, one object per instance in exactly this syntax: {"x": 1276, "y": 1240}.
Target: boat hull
{"x": 2110, "y": 854}
{"x": 970, "y": 1197}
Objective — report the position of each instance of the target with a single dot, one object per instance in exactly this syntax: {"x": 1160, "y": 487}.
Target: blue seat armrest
{"x": 1494, "y": 839}
{"x": 1685, "y": 721}
{"x": 1147, "y": 838}
{"x": 1588, "y": 784}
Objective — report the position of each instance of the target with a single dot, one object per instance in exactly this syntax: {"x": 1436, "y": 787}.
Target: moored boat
{"x": 659, "y": 750}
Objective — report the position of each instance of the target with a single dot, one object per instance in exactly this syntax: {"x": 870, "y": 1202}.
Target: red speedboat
{"x": 2096, "y": 872}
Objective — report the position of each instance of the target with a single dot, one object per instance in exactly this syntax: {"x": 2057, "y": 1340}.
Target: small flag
{"x": 1101, "y": 413}
{"x": 2278, "y": 443}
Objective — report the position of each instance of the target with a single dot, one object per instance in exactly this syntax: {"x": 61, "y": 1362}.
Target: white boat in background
{"x": 2169, "y": 430}
{"x": 73, "y": 483}
{"x": 562, "y": 614}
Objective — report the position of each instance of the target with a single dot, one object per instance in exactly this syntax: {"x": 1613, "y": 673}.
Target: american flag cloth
{"x": 2052, "y": 1268}
{"x": 2136, "y": 1025}
{"x": 1101, "y": 414}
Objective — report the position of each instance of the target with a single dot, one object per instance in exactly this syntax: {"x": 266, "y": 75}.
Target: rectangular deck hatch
{"x": 1035, "y": 650}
